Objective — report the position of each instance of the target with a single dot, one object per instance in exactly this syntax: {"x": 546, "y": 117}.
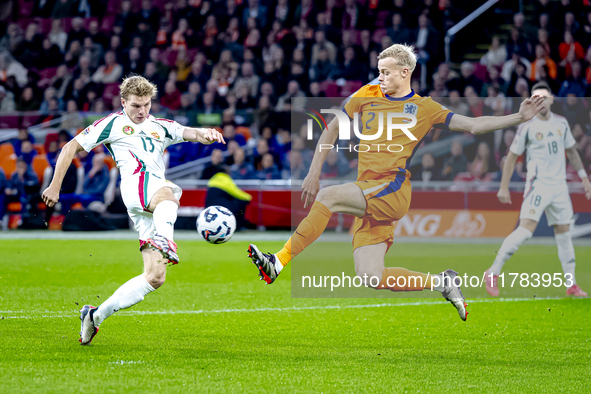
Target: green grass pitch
{"x": 213, "y": 327}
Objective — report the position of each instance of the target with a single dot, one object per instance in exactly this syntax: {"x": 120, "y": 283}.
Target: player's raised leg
{"x": 369, "y": 263}
{"x": 347, "y": 198}
{"x": 566, "y": 255}
{"x": 165, "y": 206}
{"x": 510, "y": 245}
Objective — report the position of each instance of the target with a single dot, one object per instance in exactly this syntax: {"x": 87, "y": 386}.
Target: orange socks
{"x": 307, "y": 232}
{"x": 401, "y": 279}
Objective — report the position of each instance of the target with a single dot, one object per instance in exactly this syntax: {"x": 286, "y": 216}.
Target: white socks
{"x": 129, "y": 294}
{"x": 566, "y": 254}
{"x": 164, "y": 218}
{"x": 510, "y": 246}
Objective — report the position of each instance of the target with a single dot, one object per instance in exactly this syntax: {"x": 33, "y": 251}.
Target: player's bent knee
{"x": 370, "y": 276}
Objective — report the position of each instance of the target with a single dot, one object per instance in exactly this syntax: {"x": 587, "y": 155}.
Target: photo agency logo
{"x": 372, "y": 128}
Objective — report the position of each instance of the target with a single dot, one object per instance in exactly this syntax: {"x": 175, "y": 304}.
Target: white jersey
{"x": 545, "y": 141}
{"x": 135, "y": 147}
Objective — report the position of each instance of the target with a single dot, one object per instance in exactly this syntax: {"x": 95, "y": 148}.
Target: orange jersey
{"x": 388, "y": 155}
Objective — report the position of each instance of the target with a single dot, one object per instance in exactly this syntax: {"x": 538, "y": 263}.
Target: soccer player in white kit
{"x": 137, "y": 142}
{"x": 546, "y": 137}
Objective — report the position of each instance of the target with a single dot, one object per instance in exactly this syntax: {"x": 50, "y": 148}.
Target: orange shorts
{"x": 387, "y": 201}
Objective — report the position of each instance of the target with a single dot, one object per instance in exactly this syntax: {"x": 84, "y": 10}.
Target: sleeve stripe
{"x": 448, "y": 118}
{"x": 106, "y": 132}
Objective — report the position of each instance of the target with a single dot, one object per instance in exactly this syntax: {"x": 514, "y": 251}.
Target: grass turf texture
{"x": 528, "y": 346}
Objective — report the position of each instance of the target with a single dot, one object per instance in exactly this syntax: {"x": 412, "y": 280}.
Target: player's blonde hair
{"x": 136, "y": 85}
{"x": 403, "y": 54}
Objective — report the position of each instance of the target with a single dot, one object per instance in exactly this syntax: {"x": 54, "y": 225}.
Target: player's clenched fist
{"x": 504, "y": 196}
{"x": 50, "y": 196}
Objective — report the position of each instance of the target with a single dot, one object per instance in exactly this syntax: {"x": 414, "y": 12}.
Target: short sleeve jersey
{"x": 384, "y": 157}
{"x": 135, "y": 147}
{"x": 545, "y": 142}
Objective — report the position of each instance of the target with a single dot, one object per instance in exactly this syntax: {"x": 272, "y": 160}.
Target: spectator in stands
{"x": 296, "y": 168}
{"x": 57, "y": 35}
{"x": 28, "y": 153}
{"x": 229, "y": 132}
{"x": 517, "y": 44}
{"x": 30, "y": 47}
{"x": 73, "y": 55}
{"x": 7, "y": 103}
{"x": 83, "y": 70}
{"x": 51, "y": 55}
{"x": 97, "y": 36}
{"x": 94, "y": 52}
{"x": 96, "y": 181}
{"x": 498, "y": 175}
{"x": 216, "y": 165}
{"x": 468, "y": 78}
{"x": 64, "y": 9}
{"x": 427, "y": 41}
{"x": 293, "y": 91}
{"x": 110, "y": 72}
{"x": 10, "y": 67}
{"x": 456, "y": 163}
{"x": 350, "y": 69}
{"x": 439, "y": 89}
{"x": 172, "y": 96}
{"x": 322, "y": 43}
{"x": 575, "y": 84}
{"x": 23, "y": 187}
{"x": 398, "y": 32}
{"x": 519, "y": 76}
{"x": 543, "y": 59}
{"x": 28, "y": 101}
{"x": 570, "y": 45}
{"x": 335, "y": 165}
{"x": 495, "y": 80}
{"x": 480, "y": 165}
{"x": 511, "y": 65}
{"x": 23, "y": 135}
{"x": 148, "y": 14}
{"x": 269, "y": 169}
{"x": 444, "y": 73}
{"x": 496, "y": 55}
{"x": 48, "y": 94}
{"x": 73, "y": 120}
{"x": 456, "y": 104}
{"x": 134, "y": 64}
{"x": 241, "y": 169}
{"x": 320, "y": 71}
{"x": 248, "y": 79}
{"x": 77, "y": 32}
{"x": 226, "y": 61}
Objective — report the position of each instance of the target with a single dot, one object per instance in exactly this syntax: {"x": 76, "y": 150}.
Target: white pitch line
{"x": 43, "y": 314}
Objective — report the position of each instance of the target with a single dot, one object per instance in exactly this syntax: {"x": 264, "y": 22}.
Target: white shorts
{"x": 554, "y": 200}
{"x": 137, "y": 192}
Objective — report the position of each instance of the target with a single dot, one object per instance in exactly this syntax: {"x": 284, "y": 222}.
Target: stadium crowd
{"x": 237, "y": 64}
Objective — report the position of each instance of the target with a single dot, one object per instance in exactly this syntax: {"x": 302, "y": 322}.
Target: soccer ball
{"x": 216, "y": 224}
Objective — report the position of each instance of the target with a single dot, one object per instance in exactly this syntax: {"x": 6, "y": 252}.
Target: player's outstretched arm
{"x": 575, "y": 160}
{"x": 51, "y": 195}
{"x": 202, "y": 135}
{"x": 503, "y": 195}
{"x": 311, "y": 183}
{"x": 484, "y": 124}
